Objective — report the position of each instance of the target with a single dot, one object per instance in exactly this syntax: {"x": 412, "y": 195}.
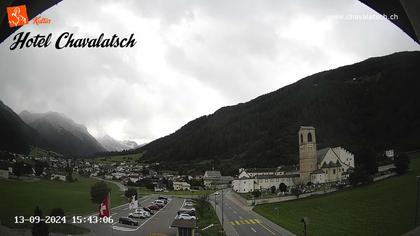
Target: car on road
{"x": 185, "y": 216}
{"x": 127, "y": 221}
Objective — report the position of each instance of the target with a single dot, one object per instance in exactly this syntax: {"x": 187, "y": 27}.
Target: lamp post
{"x": 222, "y": 208}
{"x": 305, "y": 222}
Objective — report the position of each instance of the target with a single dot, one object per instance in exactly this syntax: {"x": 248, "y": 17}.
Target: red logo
{"x": 17, "y": 16}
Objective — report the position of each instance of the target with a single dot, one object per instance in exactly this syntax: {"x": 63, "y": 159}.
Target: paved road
{"x": 122, "y": 187}
{"x": 240, "y": 220}
{"x": 158, "y": 224}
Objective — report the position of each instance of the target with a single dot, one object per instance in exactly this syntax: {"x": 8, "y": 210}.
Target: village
{"x": 319, "y": 171}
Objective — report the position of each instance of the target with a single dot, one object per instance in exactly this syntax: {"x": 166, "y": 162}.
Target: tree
{"x": 99, "y": 191}
{"x": 18, "y": 168}
{"x": 283, "y": 187}
{"x": 130, "y": 192}
{"x": 41, "y": 228}
{"x": 297, "y": 191}
{"x": 273, "y": 189}
{"x": 402, "y": 162}
{"x": 256, "y": 193}
{"x": 39, "y": 168}
{"x": 360, "y": 175}
{"x": 57, "y": 212}
{"x": 368, "y": 159}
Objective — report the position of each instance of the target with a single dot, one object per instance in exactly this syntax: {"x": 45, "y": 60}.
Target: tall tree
{"x": 99, "y": 191}
{"x": 402, "y": 163}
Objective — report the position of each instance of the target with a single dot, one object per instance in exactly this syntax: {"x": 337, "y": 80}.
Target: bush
{"x": 256, "y": 193}
{"x": 99, "y": 191}
{"x": 283, "y": 187}
{"x": 130, "y": 192}
{"x": 273, "y": 189}
{"x": 402, "y": 162}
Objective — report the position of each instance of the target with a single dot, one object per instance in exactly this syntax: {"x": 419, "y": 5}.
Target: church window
{"x": 309, "y": 137}
{"x": 334, "y": 171}
{"x": 301, "y": 138}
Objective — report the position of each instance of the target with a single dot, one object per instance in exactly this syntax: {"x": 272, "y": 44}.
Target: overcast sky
{"x": 192, "y": 57}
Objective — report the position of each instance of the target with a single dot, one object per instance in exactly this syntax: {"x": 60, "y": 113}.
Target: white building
{"x": 58, "y": 177}
{"x": 263, "y": 182}
{"x": 181, "y": 186}
{"x": 213, "y": 179}
{"x": 333, "y": 165}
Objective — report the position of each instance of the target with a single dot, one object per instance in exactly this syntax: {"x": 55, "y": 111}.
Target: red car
{"x": 154, "y": 207}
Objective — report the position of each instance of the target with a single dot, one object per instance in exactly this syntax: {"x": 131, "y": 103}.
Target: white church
{"x": 327, "y": 165}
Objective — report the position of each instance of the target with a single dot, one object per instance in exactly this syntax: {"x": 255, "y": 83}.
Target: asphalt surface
{"x": 157, "y": 224}
{"x": 239, "y": 220}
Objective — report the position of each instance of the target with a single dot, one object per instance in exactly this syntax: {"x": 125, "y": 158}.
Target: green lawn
{"x": 207, "y": 216}
{"x": 383, "y": 208}
{"x": 20, "y": 198}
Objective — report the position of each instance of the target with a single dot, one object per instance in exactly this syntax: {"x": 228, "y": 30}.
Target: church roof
{"x": 212, "y": 174}
{"x": 331, "y": 165}
{"x": 320, "y": 154}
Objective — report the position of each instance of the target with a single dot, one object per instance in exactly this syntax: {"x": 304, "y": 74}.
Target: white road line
{"x": 240, "y": 217}
{"x": 253, "y": 230}
{"x": 235, "y": 212}
{"x": 114, "y": 214}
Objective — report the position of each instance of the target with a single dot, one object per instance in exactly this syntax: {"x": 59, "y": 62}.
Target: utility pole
{"x": 222, "y": 209}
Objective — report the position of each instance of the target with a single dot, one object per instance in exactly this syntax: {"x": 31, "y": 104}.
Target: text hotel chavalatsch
{"x": 67, "y": 39}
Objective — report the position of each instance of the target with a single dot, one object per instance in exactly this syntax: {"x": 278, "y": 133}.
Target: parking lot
{"x": 157, "y": 224}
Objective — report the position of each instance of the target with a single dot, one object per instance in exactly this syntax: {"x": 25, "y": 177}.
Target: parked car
{"x": 164, "y": 199}
{"x": 154, "y": 207}
{"x": 185, "y": 216}
{"x": 127, "y": 221}
{"x": 191, "y": 213}
{"x": 189, "y": 204}
{"x": 216, "y": 193}
{"x": 149, "y": 210}
{"x": 141, "y": 211}
{"x": 137, "y": 215}
{"x": 159, "y": 203}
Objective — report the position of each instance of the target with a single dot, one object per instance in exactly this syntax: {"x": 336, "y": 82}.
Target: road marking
{"x": 253, "y": 230}
{"x": 240, "y": 217}
{"x": 252, "y": 222}
{"x": 114, "y": 214}
{"x": 267, "y": 229}
{"x": 258, "y": 221}
{"x": 242, "y": 222}
{"x": 119, "y": 228}
{"x": 232, "y": 223}
{"x": 235, "y": 212}
{"x": 237, "y": 222}
{"x": 247, "y": 222}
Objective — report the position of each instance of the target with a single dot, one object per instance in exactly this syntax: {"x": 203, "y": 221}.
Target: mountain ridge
{"x": 350, "y": 106}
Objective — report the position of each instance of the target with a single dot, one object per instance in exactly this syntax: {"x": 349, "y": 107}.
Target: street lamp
{"x": 305, "y": 222}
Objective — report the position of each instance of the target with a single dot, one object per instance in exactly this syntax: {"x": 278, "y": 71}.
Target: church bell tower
{"x": 307, "y": 153}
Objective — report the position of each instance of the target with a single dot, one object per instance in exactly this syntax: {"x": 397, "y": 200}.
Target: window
{"x": 334, "y": 171}
{"x": 301, "y": 138}
{"x": 309, "y": 137}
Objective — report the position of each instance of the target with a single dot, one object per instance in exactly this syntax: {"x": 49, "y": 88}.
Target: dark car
{"x": 154, "y": 207}
{"x": 127, "y": 221}
{"x": 149, "y": 210}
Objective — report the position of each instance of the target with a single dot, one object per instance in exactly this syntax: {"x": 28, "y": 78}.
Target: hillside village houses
{"x": 327, "y": 165}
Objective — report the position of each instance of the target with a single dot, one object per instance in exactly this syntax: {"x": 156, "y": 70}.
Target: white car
{"x": 190, "y": 204}
{"x": 139, "y": 215}
{"x": 141, "y": 211}
{"x": 216, "y": 193}
{"x": 185, "y": 216}
{"x": 159, "y": 203}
